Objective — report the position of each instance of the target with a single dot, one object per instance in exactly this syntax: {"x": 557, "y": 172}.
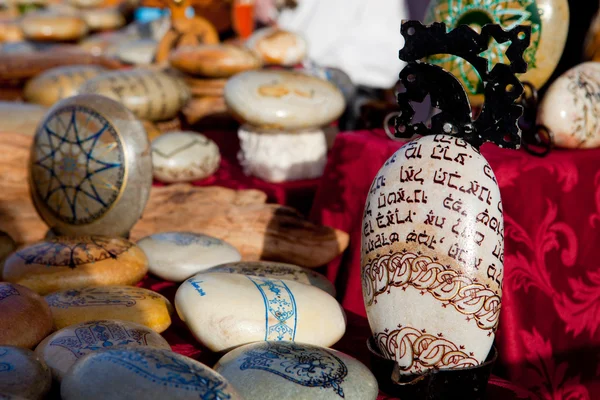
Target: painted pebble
{"x": 23, "y": 374}
{"x": 7, "y": 246}
{"x": 151, "y": 95}
{"x": 63, "y": 263}
{"x": 279, "y": 156}
{"x": 570, "y": 108}
{"x": 125, "y": 303}
{"x": 175, "y": 256}
{"x": 224, "y": 311}
{"x": 59, "y": 83}
{"x": 283, "y": 100}
{"x": 50, "y": 26}
{"x": 277, "y": 270}
{"x": 277, "y": 46}
{"x": 432, "y": 255}
{"x": 184, "y": 157}
{"x": 103, "y": 19}
{"x": 214, "y": 61}
{"x": 25, "y": 318}
{"x": 143, "y": 373}
{"x": 295, "y": 371}
{"x": 137, "y": 52}
{"x": 549, "y": 21}
{"x": 90, "y": 167}
{"x": 63, "y": 348}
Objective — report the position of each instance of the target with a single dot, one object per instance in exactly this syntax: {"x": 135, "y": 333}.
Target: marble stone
{"x": 137, "y": 52}
{"x": 214, "y": 61}
{"x": 25, "y": 318}
{"x": 184, "y": 157}
{"x": 284, "y": 100}
{"x": 570, "y": 108}
{"x": 296, "y": 371}
{"x": 277, "y": 270}
{"x": 176, "y": 256}
{"x": 432, "y": 255}
{"x": 90, "y": 167}
{"x": 103, "y": 19}
{"x": 59, "y": 83}
{"x": 62, "y": 349}
{"x": 21, "y": 118}
{"x": 143, "y": 373}
{"x": 549, "y": 21}
{"x": 280, "y": 156}
{"x": 224, "y": 311}
{"x": 151, "y": 95}
{"x": 51, "y": 26}
{"x": 7, "y": 246}
{"x": 63, "y": 263}
{"x": 23, "y": 373}
{"x": 125, "y": 303}
{"x": 277, "y": 46}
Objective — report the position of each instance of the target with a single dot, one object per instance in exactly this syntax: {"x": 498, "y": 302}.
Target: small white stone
{"x": 224, "y": 311}
{"x": 175, "y": 256}
{"x": 138, "y": 52}
{"x": 277, "y": 46}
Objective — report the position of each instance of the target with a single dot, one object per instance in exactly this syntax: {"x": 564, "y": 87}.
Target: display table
{"x": 549, "y": 334}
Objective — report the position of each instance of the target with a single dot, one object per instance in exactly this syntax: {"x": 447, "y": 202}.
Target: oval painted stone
{"x": 214, "y": 61}
{"x": 184, "y": 157}
{"x": 143, "y": 373}
{"x": 432, "y": 255}
{"x": 295, "y": 371}
{"x": 62, "y": 349}
{"x": 224, "y": 311}
{"x": 175, "y": 256}
{"x": 59, "y": 83}
{"x": 151, "y": 95}
{"x": 549, "y": 21}
{"x": 23, "y": 373}
{"x": 50, "y": 26}
{"x": 63, "y": 263}
{"x": 571, "y": 109}
{"x": 137, "y": 52}
{"x": 103, "y": 19}
{"x": 283, "y": 100}
{"x": 7, "y": 246}
{"x": 277, "y": 270}
{"x": 277, "y": 46}
{"x": 90, "y": 167}
{"x": 25, "y": 318}
{"x": 125, "y": 303}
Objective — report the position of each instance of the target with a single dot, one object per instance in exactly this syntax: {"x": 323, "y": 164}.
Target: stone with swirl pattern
{"x": 276, "y": 46}
{"x": 432, "y": 255}
{"x": 143, "y": 373}
{"x": 288, "y": 370}
{"x": 63, "y": 263}
{"x": 126, "y": 303}
{"x": 23, "y": 373}
{"x": 224, "y": 310}
{"x": 62, "y": 349}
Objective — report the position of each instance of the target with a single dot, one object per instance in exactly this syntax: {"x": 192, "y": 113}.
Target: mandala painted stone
{"x": 276, "y": 270}
{"x": 261, "y": 309}
{"x": 90, "y": 167}
{"x": 23, "y": 374}
{"x": 143, "y": 373}
{"x": 549, "y": 21}
{"x": 296, "y": 371}
{"x": 65, "y": 263}
{"x": 125, "y": 303}
{"x": 63, "y": 348}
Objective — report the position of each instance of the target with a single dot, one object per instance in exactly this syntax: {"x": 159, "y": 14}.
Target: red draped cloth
{"x": 549, "y": 336}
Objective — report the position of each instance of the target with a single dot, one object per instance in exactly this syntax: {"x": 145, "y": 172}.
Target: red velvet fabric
{"x": 549, "y": 336}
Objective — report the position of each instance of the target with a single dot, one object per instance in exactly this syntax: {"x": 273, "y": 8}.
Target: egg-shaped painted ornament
{"x": 433, "y": 235}
{"x": 549, "y": 21}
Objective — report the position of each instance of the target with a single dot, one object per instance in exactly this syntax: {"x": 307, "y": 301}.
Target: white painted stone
{"x": 62, "y": 349}
{"x": 571, "y": 108}
{"x": 277, "y": 270}
{"x": 432, "y": 255}
{"x": 175, "y": 256}
{"x": 277, "y": 46}
{"x": 295, "y": 371}
{"x": 277, "y": 99}
{"x": 279, "y": 156}
{"x": 138, "y": 52}
{"x": 184, "y": 156}
{"x": 23, "y": 374}
{"x": 224, "y": 311}
{"x": 143, "y": 373}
